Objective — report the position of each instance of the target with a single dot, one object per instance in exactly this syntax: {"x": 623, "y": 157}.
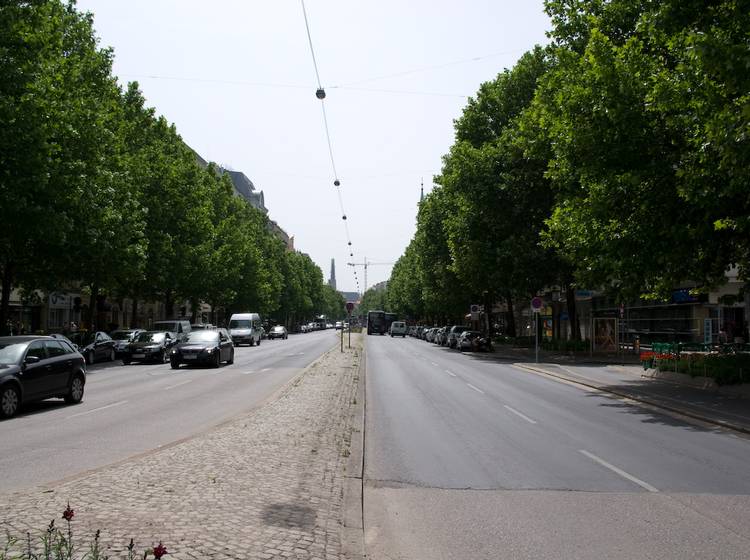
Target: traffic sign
{"x": 536, "y": 304}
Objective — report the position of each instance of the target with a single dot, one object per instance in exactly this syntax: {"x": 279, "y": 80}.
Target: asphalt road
{"x": 470, "y": 458}
{"x": 129, "y": 410}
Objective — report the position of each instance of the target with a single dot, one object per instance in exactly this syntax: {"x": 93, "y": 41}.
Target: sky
{"x": 237, "y": 79}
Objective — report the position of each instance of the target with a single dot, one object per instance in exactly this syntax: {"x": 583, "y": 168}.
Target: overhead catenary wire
{"x": 320, "y": 94}
{"x": 290, "y": 86}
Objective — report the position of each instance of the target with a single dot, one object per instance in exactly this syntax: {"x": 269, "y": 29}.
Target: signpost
{"x": 536, "y": 306}
{"x": 349, "y": 308}
{"x": 475, "y": 312}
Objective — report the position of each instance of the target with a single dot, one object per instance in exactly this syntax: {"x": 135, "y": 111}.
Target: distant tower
{"x": 332, "y": 280}
{"x": 421, "y": 190}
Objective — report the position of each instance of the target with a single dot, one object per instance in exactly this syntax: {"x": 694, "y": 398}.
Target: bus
{"x": 376, "y": 322}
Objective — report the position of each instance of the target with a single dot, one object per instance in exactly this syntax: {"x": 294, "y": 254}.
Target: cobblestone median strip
{"x": 266, "y": 485}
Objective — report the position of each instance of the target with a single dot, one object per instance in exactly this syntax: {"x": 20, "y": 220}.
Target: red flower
{"x": 159, "y": 551}
{"x": 68, "y": 513}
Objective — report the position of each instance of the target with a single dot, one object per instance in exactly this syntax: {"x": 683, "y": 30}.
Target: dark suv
{"x": 33, "y": 368}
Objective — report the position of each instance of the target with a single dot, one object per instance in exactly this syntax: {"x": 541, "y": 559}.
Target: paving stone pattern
{"x": 267, "y": 485}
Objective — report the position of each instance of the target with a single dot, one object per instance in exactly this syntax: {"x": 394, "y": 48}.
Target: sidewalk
{"x": 632, "y": 382}
{"x": 269, "y": 484}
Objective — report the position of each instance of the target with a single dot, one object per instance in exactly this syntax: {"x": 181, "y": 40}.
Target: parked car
{"x": 94, "y": 346}
{"x": 473, "y": 341}
{"x": 205, "y": 347}
{"x": 279, "y": 331}
{"x": 454, "y": 332}
{"x": 466, "y": 340}
{"x": 33, "y": 368}
{"x": 123, "y": 338}
{"x": 398, "y": 328}
{"x": 442, "y": 336}
{"x": 65, "y": 339}
{"x": 199, "y": 326}
{"x": 180, "y": 327}
{"x": 339, "y": 325}
{"x": 151, "y": 346}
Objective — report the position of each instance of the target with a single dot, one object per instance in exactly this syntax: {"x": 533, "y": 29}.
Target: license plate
{"x": 139, "y": 355}
{"x": 189, "y": 357}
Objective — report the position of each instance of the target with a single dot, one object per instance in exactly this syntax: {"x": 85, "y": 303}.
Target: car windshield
{"x": 202, "y": 336}
{"x": 121, "y": 335}
{"x": 239, "y": 324}
{"x": 10, "y": 353}
{"x": 167, "y": 325}
{"x": 151, "y": 337}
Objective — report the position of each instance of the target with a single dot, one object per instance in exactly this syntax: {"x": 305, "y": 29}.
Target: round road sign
{"x": 536, "y": 304}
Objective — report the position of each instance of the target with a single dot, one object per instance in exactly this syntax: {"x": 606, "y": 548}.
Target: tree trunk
{"x": 570, "y": 299}
{"x": 194, "y": 311}
{"x": 168, "y": 305}
{"x": 487, "y": 313}
{"x": 5, "y": 298}
{"x": 134, "y": 314}
{"x": 511, "y": 322}
{"x": 92, "y": 310}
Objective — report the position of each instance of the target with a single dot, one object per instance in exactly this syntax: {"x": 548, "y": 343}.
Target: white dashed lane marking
{"x": 97, "y": 409}
{"x": 519, "y": 414}
{"x": 477, "y": 389}
{"x": 621, "y": 472}
{"x": 178, "y": 384}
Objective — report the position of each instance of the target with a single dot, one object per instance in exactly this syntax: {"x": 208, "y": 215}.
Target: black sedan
{"x": 94, "y": 345}
{"x": 150, "y": 346}
{"x": 33, "y": 368}
{"x": 123, "y": 338}
{"x": 205, "y": 347}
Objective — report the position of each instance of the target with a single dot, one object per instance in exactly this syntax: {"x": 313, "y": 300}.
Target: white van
{"x": 398, "y": 328}
{"x": 180, "y": 327}
{"x": 245, "y": 328}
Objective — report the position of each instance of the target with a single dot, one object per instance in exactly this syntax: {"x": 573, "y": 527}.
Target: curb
{"x": 642, "y": 400}
{"x": 353, "y": 537}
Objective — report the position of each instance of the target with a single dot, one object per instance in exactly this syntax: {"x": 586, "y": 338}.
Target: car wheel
{"x": 75, "y": 392}
{"x": 112, "y": 355}
{"x": 10, "y": 401}
{"x": 252, "y": 342}
{"x": 90, "y": 357}
{"x": 164, "y": 357}
{"x": 258, "y": 343}
{"x": 230, "y": 361}
{"x": 126, "y": 361}
{"x": 217, "y": 360}
{"x": 175, "y": 364}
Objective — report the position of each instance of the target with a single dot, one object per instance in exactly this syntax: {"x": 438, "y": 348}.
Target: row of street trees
{"x": 98, "y": 191}
{"x": 615, "y": 158}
